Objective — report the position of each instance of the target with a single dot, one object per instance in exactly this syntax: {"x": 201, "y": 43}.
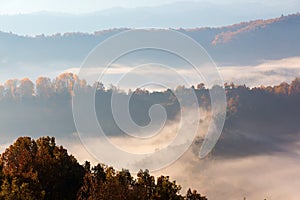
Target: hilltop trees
{"x": 64, "y": 83}
{"x": 295, "y": 87}
{"x": 20, "y": 179}
{"x": 10, "y": 90}
{"x": 48, "y": 106}
{"x": 26, "y": 88}
{"x": 38, "y": 169}
{"x": 103, "y": 183}
{"x": 194, "y": 195}
{"x": 282, "y": 89}
{"x": 61, "y": 88}
{"x": 44, "y": 87}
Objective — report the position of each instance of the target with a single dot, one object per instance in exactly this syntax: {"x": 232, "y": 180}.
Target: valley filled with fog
{"x": 155, "y": 110}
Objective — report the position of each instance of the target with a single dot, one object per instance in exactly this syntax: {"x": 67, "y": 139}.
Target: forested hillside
{"x": 239, "y": 44}
{"x": 265, "y": 116}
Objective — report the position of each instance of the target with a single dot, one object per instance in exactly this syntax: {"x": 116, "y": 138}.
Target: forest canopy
{"x": 39, "y": 169}
{"x": 253, "y": 114}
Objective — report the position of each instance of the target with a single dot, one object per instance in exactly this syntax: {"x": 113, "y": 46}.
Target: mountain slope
{"x": 239, "y": 44}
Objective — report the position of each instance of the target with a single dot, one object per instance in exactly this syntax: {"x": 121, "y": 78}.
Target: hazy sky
{"x": 85, "y": 6}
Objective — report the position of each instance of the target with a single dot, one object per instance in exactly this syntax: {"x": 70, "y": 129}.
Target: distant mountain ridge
{"x": 239, "y": 44}
{"x": 173, "y": 14}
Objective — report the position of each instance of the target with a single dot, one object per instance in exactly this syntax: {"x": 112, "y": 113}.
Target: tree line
{"x": 45, "y": 88}
{"x": 252, "y": 113}
{"x": 58, "y": 92}
{"x": 39, "y": 169}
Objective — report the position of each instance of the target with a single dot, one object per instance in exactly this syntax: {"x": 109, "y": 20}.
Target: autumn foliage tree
{"x": 39, "y": 169}
{"x": 104, "y": 183}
